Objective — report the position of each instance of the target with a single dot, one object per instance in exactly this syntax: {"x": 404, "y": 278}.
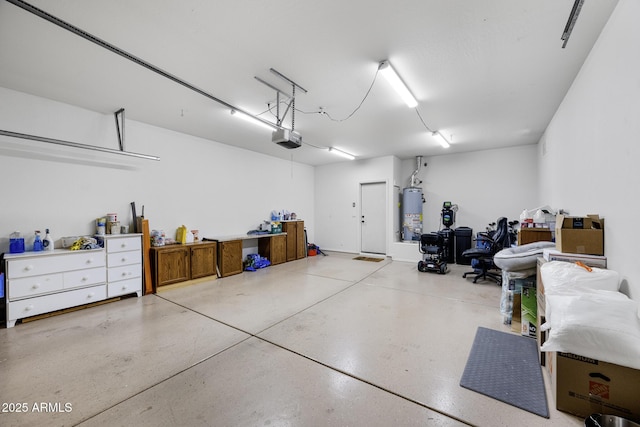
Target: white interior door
{"x": 373, "y": 219}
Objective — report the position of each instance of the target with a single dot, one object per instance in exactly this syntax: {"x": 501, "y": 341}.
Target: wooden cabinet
{"x": 170, "y": 264}
{"x": 179, "y": 263}
{"x": 296, "y": 246}
{"x": 230, "y": 257}
{"x": 274, "y": 248}
{"x": 203, "y": 260}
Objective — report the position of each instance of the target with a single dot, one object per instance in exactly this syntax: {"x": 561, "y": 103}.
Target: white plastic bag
{"x": 600, "y": 324}
{"x": 563, "y": 276}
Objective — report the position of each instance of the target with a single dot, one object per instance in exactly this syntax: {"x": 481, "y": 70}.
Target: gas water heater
{"x": 412, "y": 207}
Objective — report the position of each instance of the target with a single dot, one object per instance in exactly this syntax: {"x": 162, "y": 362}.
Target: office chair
{"x": 493, "y": 242}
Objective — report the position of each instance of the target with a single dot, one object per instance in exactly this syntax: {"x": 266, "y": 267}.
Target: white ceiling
{"x": 487, "y": 74}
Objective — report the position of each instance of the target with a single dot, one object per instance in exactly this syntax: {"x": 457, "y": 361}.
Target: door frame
{"x": 386, "y": 215}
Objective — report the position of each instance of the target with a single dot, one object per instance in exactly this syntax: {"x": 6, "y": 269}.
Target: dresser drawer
{"x": 124, "y": 272}
{"x": 31, "y": 286}
{"x": 122, "y": 244}
{"x": 124, "y": 258}
{"x": 35, "y": 266}
{"x": 38, "y": 305}
{"x": 125, "y": 287}
{"x": 88, "y": 276}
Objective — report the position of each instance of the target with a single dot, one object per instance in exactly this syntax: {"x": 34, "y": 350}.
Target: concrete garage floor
{"x": 327, "y": 340}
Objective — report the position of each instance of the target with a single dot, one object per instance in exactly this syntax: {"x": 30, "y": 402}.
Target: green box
{"x": 529, "y": 312}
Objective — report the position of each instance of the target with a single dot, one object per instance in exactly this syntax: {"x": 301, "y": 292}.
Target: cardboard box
{"x": 515, "y": 287}
{"x": 529, "y": 312}
{"x": 516, "y": 319}
{"x": 551, "y": 254}
{"x": 580, "y": 235}
{"x": 583, "y": 386}
{"x": 530, "y": 235}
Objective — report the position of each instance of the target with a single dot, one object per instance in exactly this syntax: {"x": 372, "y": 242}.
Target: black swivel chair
{"x": 493, "y": 243}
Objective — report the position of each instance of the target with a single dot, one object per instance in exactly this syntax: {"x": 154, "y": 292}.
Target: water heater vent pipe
{"x": 414, "y": 176}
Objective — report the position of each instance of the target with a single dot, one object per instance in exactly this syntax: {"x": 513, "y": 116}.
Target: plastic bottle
{"x": 525, "y": 219}
{"x": 16, "y": 243}
{"x": 48, "y": 241}
{"x": 37, "y": 242}
{"x": 539, "y": 218}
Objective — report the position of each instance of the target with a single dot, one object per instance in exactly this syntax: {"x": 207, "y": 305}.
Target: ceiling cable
{"x": 435, "y": 133}
{"x": 324, "y": 113}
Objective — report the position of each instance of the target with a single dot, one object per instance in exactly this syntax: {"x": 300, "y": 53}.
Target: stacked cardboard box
{"x": 552, "y": 254}
{"x": 530, "y": 235}
{"x": 583, "y": 386}
{"x": 580, "y": 235}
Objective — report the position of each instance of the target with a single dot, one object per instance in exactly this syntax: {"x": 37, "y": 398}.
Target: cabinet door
{"x": 230, "y": 257}
{"x": 171, "y": 265}
{"x": 203, "y": 260}
{"x": 292, "y": 248}
{"x": 274, "y": 248}
{"x": 301, "y": 246}
{"x": 278, "y": 249}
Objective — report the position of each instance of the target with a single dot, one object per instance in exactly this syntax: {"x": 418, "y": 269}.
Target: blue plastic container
{"x": 16, "y": 243}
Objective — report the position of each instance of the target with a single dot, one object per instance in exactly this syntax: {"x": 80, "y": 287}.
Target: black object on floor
{"x": 366, "y": 258}
{"x": 506, "y": 367}
{"x": 464, "y": 237}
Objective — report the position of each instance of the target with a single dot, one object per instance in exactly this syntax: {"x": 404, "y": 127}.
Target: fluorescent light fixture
{"x": 252, "y": 119}
{"x": 396, "y": 82}
{"x": 441, "y": 139}
{"x": 342, "y": 153}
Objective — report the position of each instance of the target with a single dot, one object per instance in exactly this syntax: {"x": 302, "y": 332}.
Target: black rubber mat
{"x": 505, "y": 367}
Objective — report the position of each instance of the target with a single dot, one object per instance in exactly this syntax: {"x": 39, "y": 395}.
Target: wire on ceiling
{"x": 366, "y": 95}
{"x": 422, "y": 120}
{"x": 323, "y": 112}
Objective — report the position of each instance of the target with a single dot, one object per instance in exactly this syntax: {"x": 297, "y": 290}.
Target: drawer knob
{"x": 90, "y": 260}
{"x": 85, "y": 278}
{"x": 29, "y": 267}
{"x": 124, "y": 259}
{"x": 29, "y": 307}
{"x": 36, "y": 286}
{"x": 124, "y": 245}
{"x": 91, "y": 295}
{"x": 124, "y": 288}
{"x": 124, "y": 274}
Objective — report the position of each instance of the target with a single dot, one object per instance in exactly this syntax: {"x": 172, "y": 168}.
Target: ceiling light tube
{"x": 396, "y": 82}
{"x": 342, "y": 153}
{"x": 441, "y": 139}
{"x": 252, "y": 119}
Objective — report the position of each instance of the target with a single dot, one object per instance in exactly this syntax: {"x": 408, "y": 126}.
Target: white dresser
{"x": 41, "y": 282}
{"x": 124, "y": 264}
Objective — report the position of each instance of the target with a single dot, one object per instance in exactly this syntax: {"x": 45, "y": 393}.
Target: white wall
{"x": 205, "y": 185}
{"x": 482, "y": 184}
{"x": 485, "y": 185}
{"x": 590, "y": 153}
{"x": 337, "y": 225}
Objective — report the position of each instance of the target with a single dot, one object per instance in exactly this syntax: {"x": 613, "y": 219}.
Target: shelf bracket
{"x": 119, "y": 116}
